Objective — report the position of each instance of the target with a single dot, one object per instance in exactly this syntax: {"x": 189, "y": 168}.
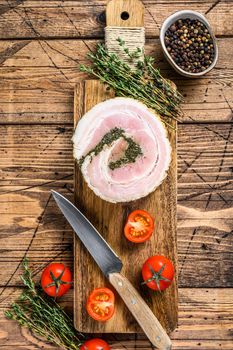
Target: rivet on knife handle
{"x": 141, "y": 311}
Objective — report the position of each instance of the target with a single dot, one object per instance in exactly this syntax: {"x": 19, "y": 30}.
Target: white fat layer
{"x": 100, "y": 179}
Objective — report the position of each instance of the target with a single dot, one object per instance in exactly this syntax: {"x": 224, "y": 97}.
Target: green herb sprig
{"x": 43, "y": 315}
{"x": 144, "y": 83}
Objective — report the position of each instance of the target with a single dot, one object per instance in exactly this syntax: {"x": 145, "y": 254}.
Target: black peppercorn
{"x": 190, "y": 45}
{"x": 173, "y": 28}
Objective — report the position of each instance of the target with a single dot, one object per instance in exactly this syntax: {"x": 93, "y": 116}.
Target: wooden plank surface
{"x": 36, "y": 71}
{"x": 39, "y": 53}
{"x": 37, "y": 158}
{"x": 202, "y": 313}
{"x": 109, "y": 219}
{"x": 36, "y": 19}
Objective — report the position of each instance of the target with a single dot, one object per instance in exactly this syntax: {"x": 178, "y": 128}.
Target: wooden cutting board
{"x": 110, "y": 218}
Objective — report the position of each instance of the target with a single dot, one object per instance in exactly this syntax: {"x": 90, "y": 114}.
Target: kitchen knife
{"x": 111, "y": 266}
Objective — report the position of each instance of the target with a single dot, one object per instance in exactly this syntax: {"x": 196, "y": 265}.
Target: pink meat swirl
{"x": 133, "y": 180}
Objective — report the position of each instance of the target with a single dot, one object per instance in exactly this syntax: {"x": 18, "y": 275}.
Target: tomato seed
{"x": 137, "y": 233}
{"x": 102, "y": 297}
{"x": 142, "y": 219}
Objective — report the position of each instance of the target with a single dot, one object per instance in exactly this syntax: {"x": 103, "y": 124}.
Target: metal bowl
{"x": 182, "y": 15}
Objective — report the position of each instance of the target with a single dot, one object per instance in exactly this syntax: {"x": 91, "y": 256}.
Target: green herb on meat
{"x": 42, "y": 315}
{"x": 107, "y": 139}
{"x": 131, "y": 153}
{"x": 145, "y": 83}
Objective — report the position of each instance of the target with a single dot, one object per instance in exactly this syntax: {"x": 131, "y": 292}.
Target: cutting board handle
{"x": 141, "y": 311}
{"x": 125, "y": 13}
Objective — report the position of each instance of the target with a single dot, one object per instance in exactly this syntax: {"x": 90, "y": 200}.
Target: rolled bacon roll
{"x": 122, "y": 149}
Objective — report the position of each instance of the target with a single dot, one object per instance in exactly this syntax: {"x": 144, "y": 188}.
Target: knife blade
{"x": 111, "y": 266}
{"x": 101, "y": 252}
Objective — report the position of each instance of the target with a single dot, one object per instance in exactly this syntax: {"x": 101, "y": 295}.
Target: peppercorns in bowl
{"x": 188, "y": 43}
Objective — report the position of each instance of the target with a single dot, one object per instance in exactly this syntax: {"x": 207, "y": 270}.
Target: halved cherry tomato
{"x": 95, "y": 344}
{"x": 56, "y": 279}
{"x": 139, "y": 226}
{"x": 158, "y": 272}
{"x": 101, "y": 304}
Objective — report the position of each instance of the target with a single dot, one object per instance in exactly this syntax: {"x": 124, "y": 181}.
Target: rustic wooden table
{"x": 42, "y": 44}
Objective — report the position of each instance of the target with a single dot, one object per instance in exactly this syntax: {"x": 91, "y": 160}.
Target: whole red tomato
{"x": 56, "y": 279}
{"x": 158, "y": 272}
{"x": 95, "y": 344}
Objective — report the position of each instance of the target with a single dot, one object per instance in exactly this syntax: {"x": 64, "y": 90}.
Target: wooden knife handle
{"x": 141, "y": 311}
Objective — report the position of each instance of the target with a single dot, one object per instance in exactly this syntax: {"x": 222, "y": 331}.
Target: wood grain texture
{"x": 109, "y": 219}
{"x": 205, "y": 322}
{"x": 37, "y": 158}
{"x": 38, "y": 19}
{"x": 134, "y": 9}
{"x": 38, "y": 78}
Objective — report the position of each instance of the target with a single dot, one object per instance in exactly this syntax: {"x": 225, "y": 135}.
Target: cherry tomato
{"x": 56, "y": 279}
{"x": 95, "y": 344}
{"x": 139, "y": 226}
{"x": 101, "y": 304}
{"x": 158, "y": 272}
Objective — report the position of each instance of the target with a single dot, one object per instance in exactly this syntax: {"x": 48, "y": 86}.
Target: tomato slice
{"x": 139, "y": 226}
{"x": 101, "y": 304}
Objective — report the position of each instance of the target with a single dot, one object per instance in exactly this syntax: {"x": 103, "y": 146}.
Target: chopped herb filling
{"x": 131, "y": 153}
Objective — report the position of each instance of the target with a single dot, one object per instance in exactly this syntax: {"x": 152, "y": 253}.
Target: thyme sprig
{"x": 42, "y": 315}
{"x": 144, "y": 83}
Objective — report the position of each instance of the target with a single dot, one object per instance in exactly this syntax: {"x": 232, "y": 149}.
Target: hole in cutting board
{"x": 124, "y": 15}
